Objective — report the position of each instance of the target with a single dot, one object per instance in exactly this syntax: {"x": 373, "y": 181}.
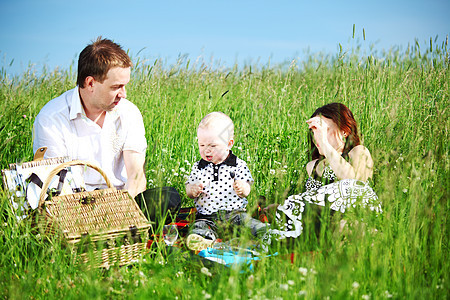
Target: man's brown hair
{"x": 98, "y": 58}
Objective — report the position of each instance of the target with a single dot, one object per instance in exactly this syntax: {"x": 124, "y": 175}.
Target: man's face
{"x": 107, "y": 94}
{"x": 212, "y": 146}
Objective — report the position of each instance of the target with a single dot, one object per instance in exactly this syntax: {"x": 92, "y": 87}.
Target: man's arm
{"x": 134, "y": 164}
{"x": 50, "y": 135}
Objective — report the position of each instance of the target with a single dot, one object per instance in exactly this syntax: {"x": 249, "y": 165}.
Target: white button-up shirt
{"x": 62, "y": 127}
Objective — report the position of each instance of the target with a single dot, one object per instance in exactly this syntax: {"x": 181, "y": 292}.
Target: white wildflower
{"x": 182, "y": 170}
{"x": 284, "y": 287}
{"x": 314, "y": 272}
{"x": 291, "y": 282}
{"x": 355, "y": 285}
{"x": 205, "y": 271}
{"x": 251, "y": 278}
{"x": 405, "y": 191}
{"x": 387, "y": 294}
{"x": 206, "y": 295}
{"x": 272, "y": 171}
{"x": 303, "y": 271}
{"x": 366, "y": 297}
{"x": 302, "y": 293}
{"x": 175, "y": 174}
{"x": 162, "y": 262}
{"x": 179, "y": 273}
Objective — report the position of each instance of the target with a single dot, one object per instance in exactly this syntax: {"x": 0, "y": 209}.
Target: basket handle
{"x": 65, "y": 165}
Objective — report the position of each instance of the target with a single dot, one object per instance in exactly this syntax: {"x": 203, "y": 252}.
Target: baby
{"x": 219, "y": 183}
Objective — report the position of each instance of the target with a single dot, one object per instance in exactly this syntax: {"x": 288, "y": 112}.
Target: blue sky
{"x": 53, "y": 32}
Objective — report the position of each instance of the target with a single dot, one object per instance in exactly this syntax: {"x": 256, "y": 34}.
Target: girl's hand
{"x": 320, "y": 130}
{"x": 242, "y": 188}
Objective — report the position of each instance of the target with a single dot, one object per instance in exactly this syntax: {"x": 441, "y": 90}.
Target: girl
{"x": 338, "y": 172}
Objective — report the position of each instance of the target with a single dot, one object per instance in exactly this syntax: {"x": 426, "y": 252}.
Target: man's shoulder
{"x": 125, "y": 103}
{"x": 127, "y": 108}
{"x": 57, "y": 105}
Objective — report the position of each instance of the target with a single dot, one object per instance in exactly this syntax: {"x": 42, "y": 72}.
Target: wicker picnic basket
{"x": 103, "y": 227}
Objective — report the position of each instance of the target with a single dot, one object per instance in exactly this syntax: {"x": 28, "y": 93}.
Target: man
{"x": 94, "y": 122}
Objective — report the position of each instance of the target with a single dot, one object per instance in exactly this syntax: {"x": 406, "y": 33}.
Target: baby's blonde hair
{"x": 220, "y": 120}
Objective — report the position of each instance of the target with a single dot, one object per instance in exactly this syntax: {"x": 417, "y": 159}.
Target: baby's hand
{"x": 196, "y": 190}
{"x": 241, "y": 188}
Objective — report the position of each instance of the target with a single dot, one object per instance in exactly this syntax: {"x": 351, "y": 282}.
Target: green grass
{"x": 400, "y": 101}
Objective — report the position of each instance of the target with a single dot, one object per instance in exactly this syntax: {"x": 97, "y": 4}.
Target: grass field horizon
{"x": 400, "y": 101}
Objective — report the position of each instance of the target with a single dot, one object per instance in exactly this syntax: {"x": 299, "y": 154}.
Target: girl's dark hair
{"x": 343, "y": 118}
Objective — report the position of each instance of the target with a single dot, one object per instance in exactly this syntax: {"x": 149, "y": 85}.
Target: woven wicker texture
{"x": 122, "y": 255}
{"x": 95, "y": 213}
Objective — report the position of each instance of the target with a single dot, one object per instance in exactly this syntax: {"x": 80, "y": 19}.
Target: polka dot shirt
{"x": 218, "y": 193}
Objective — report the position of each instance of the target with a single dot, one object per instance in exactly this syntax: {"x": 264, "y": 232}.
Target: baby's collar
{"x": 231, "y": 160}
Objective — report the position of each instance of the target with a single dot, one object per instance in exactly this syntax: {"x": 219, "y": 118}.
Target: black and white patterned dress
{"x": 321, "y": 190}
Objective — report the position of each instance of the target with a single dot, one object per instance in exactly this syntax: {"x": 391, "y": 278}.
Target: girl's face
{"x": 212, "y": 146}
{"x": 335, "y": 136}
